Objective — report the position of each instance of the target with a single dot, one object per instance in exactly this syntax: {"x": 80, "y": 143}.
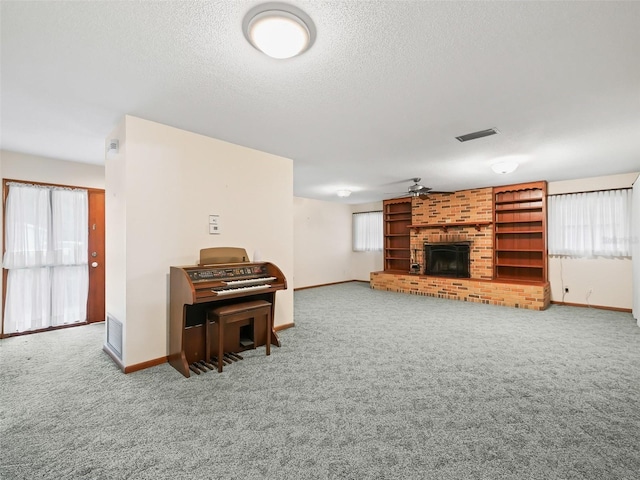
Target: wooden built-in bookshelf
{"x": 520, "y": 232}
{"x": 397, "y": 245}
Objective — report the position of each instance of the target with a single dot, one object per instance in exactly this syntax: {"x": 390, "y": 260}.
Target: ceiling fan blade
{"x": 395, "y": 195}
{"x": 397, "y": 182}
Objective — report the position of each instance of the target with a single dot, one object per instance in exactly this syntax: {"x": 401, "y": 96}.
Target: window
{"x": 367, "y": 232}
{"x": 590, "y": 224}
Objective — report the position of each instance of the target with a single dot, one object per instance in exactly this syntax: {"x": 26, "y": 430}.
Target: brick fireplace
{"x": 461, "y": 217}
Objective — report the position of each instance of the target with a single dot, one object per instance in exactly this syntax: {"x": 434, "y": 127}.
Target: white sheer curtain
{"x": 69, "y": 226}
{"x": 69, "y": 289}
{"x": 590, "y": 224}
{"x": 28, "y": 301}
{"x": 70, "y": 275}
{"x": 27, "y": 227}
{"x": 46, "y": 255}
{"x": 367, "y": 232}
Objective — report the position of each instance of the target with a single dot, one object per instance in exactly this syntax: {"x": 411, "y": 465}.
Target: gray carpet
{"x": 368, "y": 385}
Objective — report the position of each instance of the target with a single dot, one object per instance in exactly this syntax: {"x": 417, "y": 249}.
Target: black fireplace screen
{"x": 447, "y": 259}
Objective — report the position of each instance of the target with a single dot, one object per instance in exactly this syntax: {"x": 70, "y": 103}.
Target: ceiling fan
{"x": 417, "y": 190}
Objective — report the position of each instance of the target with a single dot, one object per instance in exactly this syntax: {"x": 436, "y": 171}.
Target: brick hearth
{"x": 530, "y": 296}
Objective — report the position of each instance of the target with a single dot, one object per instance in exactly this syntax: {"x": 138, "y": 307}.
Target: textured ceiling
{"x": 377, "y": 100}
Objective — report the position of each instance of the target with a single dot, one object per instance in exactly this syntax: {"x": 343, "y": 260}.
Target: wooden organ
{"x": 223, "y": 278}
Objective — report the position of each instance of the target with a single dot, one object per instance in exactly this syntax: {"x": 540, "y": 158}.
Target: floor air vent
{"x": 114, "y": 335}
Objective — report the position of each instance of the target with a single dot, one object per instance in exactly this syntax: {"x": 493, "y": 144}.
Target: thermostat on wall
{"x": 214, "y": 224}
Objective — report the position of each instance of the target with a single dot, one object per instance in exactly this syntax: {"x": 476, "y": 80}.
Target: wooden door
{"x": 95, "y": 300}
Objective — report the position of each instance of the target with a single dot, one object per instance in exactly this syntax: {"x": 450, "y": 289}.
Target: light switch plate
{"x": 214, "y": 224}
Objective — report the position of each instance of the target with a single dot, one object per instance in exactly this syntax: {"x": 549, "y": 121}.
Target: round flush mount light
{"x": 343, "y": 193}
{"x": 279, "y": 30}
{"x": 503, "y": 168}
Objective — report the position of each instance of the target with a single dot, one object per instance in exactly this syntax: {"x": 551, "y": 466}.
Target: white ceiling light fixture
{"x": 343, "y": 193}
{"x": 279, "y": 30}
{"x": 503, "y": 168}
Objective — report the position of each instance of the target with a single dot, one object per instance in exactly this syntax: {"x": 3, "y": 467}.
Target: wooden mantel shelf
{"x": 445, "y": 226}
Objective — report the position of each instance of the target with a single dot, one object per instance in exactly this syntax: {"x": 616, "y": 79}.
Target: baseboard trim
{"x": 159, "y": 361}
{"x": 284, "y": 326}
{"x": 137, "y": 366}
{"x": 46, "y": 329}
{"x": 599, "y": 307}
{"x": 113, "y": 356}
{"x": 147, "y": 364}
{"x": 327, "y": 284}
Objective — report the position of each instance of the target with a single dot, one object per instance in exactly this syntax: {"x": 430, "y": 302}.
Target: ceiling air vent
{"x": 480, "y": 134}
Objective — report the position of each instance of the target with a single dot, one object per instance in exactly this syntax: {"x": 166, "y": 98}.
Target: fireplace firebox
{"x": 448, "y": 259}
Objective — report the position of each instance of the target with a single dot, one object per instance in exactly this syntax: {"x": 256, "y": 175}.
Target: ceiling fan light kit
{"x": 279, "y": 30}
{"x": 417, "y": 190}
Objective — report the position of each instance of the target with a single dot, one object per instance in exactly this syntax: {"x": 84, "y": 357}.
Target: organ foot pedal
{"x": 203, "y": 366}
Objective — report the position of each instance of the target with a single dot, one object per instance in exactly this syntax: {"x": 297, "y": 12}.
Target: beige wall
{"x": 323, "y": 243}
{"x": 596, "y": 281}
{"x": 609, "y": 182}
{"x": 163, "y": 186}
{"x": 30, "y": 168}
{"x": 20, "y": 166}
{"x": 115, "y": 232}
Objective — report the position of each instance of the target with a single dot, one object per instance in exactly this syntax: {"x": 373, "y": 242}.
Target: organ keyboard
{"x": 195, "y": 290}
{"x": 250, "y": 281}
{"x": 229, "y": 291}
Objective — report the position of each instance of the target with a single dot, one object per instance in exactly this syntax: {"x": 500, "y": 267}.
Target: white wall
{"x": 322, "y": 242}
{"x": 162, "y": 187}
{"x": 30, "y": 168}
{"x": 608, "y": 279}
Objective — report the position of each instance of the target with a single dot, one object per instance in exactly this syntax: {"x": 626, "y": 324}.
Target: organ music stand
{"x": 218, "y": 255}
